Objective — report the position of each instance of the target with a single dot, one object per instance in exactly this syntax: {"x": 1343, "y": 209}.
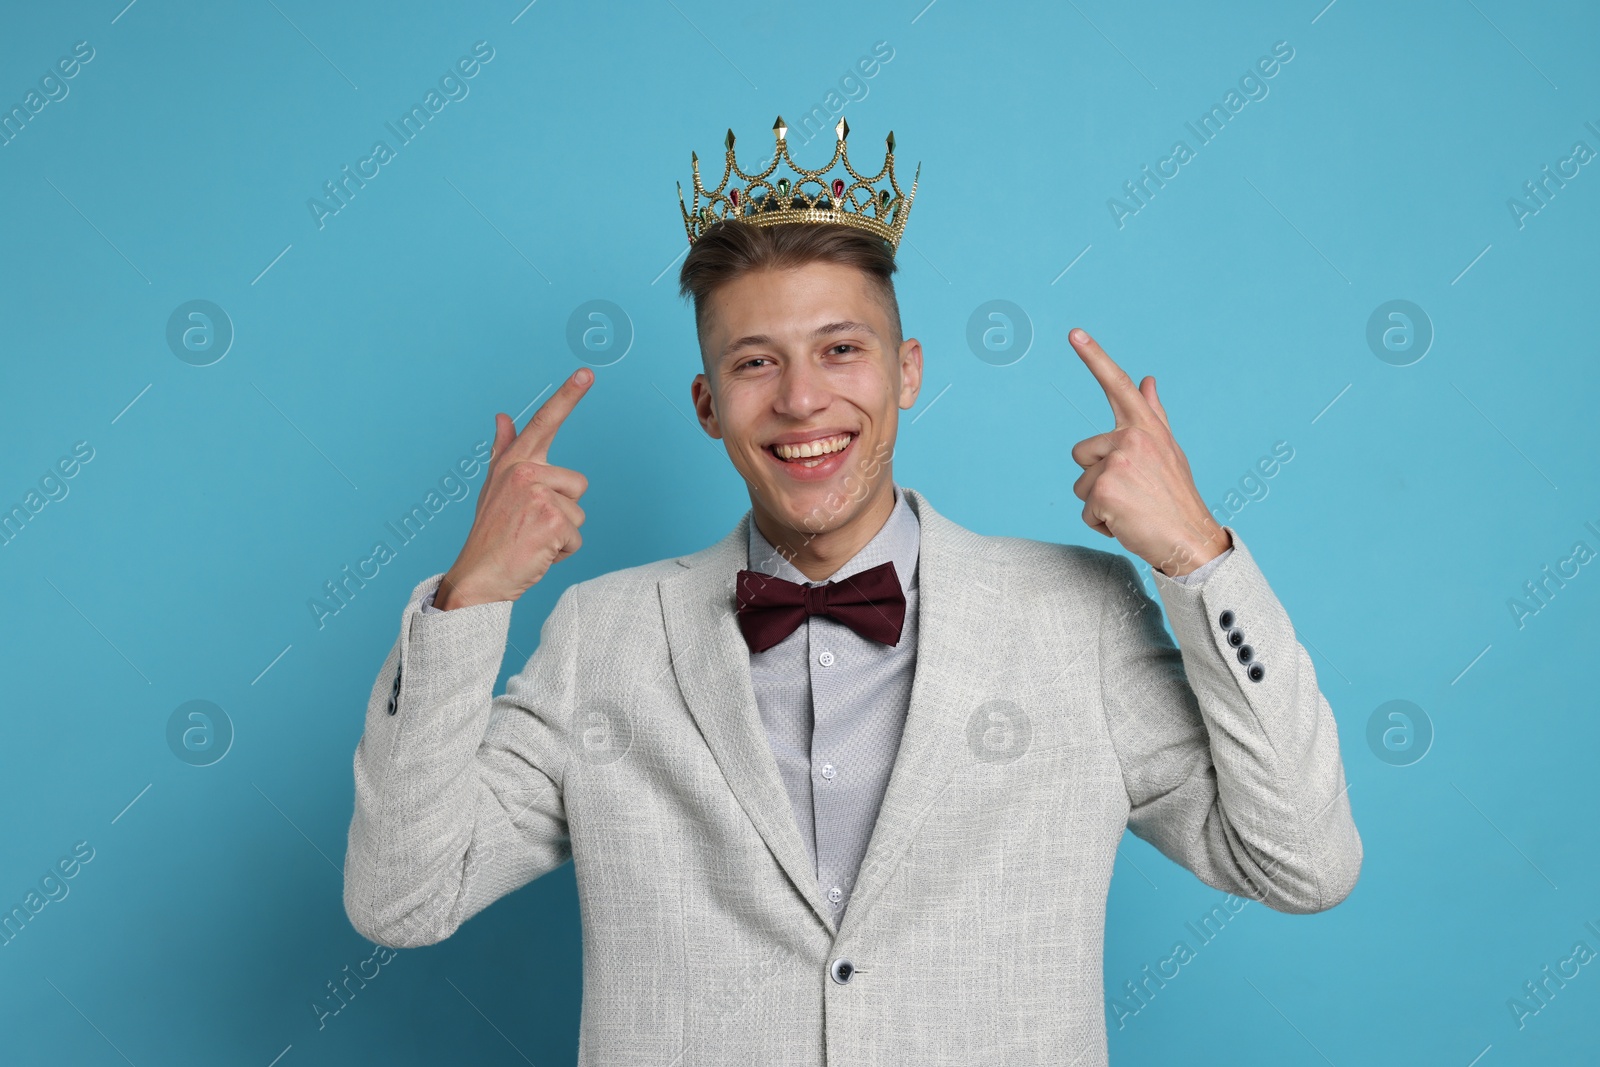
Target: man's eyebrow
{"x": 757, "y": 339}
{"x": 842, "y": 327}
{"x": 746, "y": 342}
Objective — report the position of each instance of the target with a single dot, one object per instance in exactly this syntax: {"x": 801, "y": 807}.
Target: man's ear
{"x": 705, "y": 407}
{"x": 910, "y": 372}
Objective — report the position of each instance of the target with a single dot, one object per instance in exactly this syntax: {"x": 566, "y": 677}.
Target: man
{"x": 846, "y": 786}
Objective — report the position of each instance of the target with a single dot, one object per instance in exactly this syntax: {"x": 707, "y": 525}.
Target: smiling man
{"x": 846, "y": 786}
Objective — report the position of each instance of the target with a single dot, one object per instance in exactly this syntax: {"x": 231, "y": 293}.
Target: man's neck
{"x": 819, "y": 555}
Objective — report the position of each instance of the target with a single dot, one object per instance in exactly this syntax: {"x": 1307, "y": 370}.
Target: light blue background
{"x": 375, "y": 351}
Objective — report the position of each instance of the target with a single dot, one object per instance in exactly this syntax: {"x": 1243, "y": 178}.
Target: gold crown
{"x": 763, "y": 203}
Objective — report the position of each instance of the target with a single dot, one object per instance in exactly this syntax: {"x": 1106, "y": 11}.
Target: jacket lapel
{"x": 712, "y": 664}
{"x": 958, "y": 585}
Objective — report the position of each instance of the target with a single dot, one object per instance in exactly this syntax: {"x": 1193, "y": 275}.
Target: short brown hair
{"x": 731, "y": 249}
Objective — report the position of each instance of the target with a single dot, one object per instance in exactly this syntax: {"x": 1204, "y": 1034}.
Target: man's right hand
{"x": 528, "y": 514}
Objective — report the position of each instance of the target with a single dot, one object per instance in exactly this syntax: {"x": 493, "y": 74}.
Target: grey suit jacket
{"x": 1049, "y": 711}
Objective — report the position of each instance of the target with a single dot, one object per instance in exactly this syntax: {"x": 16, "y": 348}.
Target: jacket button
{"x": 1225, "y": 620}
{"x": 841, "y": 970}
{"x": 1235, "y": 637}
{"x": 1246, "y": 653}
{"x": 1256, "y": 672}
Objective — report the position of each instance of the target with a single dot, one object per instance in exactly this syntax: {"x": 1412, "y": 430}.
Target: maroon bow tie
{"x": 871, "y": 603}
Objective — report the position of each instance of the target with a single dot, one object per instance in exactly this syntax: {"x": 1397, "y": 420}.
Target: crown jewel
{"x": 863, "y": 202}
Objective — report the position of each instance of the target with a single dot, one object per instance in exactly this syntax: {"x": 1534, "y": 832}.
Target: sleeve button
{"x": 1225, "y": 620}
{"x": 1246, "y": 653}
{"x": 1235, "y": 637}
{"x": 1256, "y": 672}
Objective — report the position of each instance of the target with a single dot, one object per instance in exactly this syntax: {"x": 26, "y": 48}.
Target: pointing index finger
{"x": 537, "y": 435}
{"x": 1128, "y": 405}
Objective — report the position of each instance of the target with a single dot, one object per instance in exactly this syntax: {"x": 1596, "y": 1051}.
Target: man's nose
{"x": 801, "y": 389}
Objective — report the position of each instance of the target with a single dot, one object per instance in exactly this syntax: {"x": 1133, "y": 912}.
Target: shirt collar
{"x": 898, "y": 541}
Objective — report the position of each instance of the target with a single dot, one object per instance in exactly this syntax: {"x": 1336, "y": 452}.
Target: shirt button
{"x": 825, "y": 658}
{"x": 836, "y": 894}
{"x": 828, "y": 771}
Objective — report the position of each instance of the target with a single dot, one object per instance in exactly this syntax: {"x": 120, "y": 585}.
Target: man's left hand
{"x": 1136, "y": 485}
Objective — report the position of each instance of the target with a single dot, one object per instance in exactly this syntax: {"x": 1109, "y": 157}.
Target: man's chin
{"x": 813, "y": 500}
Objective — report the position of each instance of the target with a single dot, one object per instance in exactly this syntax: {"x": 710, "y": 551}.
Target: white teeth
{"x": 812, "y": 448}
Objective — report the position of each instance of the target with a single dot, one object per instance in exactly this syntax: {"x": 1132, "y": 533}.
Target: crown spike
{"x": 876, "y": 203}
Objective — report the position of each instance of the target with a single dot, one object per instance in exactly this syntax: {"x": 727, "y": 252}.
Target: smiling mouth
{"x": 811, "y": 453}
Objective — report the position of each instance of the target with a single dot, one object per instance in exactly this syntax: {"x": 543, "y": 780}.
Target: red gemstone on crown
{"x": 733, "y": 197}
{"x": 838, "y": 187}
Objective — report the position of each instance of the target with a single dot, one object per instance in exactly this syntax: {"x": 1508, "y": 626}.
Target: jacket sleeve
{"x": 1229, "y": 751}
{"x": 458, "y": 794}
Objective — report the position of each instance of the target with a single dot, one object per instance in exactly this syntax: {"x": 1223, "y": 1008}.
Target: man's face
{"x": 800, "y": 361}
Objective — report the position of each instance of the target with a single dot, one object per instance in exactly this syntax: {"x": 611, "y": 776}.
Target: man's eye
{"x": 748, "y": 362}
{"x": 847, "y": 346}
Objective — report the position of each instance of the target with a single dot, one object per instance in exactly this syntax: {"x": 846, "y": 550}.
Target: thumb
{"x": 505, "y": 431}
{"x": 1148, "y": 388}
{"x": 504, "y": 434}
